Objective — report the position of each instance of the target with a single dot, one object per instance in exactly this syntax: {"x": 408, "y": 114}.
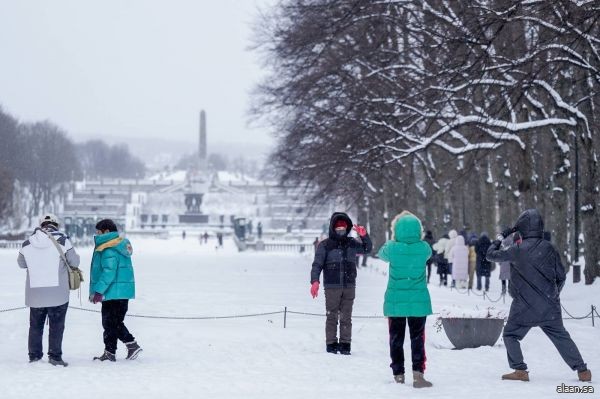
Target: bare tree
{"x": 410, "y": 102}
{"x": 49, "y": 161}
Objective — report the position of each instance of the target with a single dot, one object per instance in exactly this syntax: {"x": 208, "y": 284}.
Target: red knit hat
{"x": 340, "y": 223}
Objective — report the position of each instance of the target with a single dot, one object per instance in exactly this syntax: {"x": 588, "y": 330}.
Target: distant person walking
{"x": 537, "y": 277}
{"x": 220, "y": 239}
{"x": 336, "y": 258}
{"x": 259, "y": 230}
{"x": 484, "y": 266}
{"x": 459, "y": 257}
{"x": 183, "y": 234}
{"x": 47, "y": 286}
{"x": 407, "y": 299}
{"x": 205, "y": 236}
{"x": 429, "y": 240}
{"x": 440, "y": 259}
{"x": 449, "y": 244}
{"x": 504, "y": 274}
{"x": 472, "y": 260}
{"x": 112, "y": 283}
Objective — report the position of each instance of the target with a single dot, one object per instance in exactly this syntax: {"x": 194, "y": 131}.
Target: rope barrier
{"x": 307, "y": 314}
{"x": 466, "y": 290}
{"x": 570, "y": 316}
{"x": 12, "y": 309}
{"x": 493, "y": 301}
{"x": 587, "y": 316}
{"x": 476, "y": 294}
{"x": 593, "y": 311}
{"x": 187, "y": 317}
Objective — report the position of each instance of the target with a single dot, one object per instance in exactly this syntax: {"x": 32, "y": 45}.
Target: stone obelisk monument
{"x": 203, "y": 160}
{"x": 196, "y": 182}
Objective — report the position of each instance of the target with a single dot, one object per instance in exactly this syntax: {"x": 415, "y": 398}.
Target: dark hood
{"x": 334, "y": 218}
{"x": 530, "y": 224}
{"x": 484, "y": 239}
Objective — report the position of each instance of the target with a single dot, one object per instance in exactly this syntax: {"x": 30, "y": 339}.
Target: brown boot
{"x": 399, "y": 378}
{"x": 585, "y": 375}
{"x": 517, "y": 375}
{"x": 419, "y": 380}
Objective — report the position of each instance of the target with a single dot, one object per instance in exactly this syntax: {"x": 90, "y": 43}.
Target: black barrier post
{"x": 284, "y": 317}
{"x": 593, "y": 310}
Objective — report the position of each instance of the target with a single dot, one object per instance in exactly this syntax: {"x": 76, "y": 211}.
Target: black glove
{"x": 497, "y": 243}
{"x": 508, "y": 232}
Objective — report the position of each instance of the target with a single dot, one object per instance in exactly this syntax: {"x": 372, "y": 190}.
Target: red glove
{"x": 96, "y": 298}
{"x": 360, "y": 230}
{"x": 314, "y": 289}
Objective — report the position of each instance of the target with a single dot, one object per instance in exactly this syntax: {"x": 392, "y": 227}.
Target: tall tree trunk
{"x": 590, "y": 212}
{"x": 377, "y": 223}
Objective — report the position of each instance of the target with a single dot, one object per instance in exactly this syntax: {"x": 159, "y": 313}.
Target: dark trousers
{"x": 428, "y": 271}
{"x": 555, "y": 330}
{"x": 113, "y": 315}
{"x": 56, "y": 318}
{"x": 443, "y": 278}
{"x": 416, "y": 328}
{"x": 487, "y": 282}
{"x": 338, "y": 306}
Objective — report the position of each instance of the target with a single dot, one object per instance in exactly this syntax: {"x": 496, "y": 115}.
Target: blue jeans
{"x": 56, "y": 317}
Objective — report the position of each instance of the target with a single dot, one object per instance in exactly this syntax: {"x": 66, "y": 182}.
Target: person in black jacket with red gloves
{"x": 537, "y": 276}
{"x": 336, "y": 258}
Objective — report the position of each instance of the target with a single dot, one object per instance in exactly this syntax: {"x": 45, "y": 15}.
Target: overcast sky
{"x": 131, "y": 69}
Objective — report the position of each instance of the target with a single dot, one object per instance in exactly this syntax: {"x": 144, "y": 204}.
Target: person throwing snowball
{"x": 537, "y": 277}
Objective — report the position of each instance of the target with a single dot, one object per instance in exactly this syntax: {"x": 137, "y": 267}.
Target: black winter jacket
{"x": 536, "y": 273}
{"x": 336, "y": 256}
{"x": 483, "y": 265}
{"x": 429, "y": 240}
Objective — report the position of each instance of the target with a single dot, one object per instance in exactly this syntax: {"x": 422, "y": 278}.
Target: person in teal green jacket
{"x": 113, "y": 284}
{"x": 406, "y": 297}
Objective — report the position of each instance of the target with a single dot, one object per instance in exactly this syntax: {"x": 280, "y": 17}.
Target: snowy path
{"x": 257, "y": 357}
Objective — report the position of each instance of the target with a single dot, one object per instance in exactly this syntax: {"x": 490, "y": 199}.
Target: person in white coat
{"x": 47, "y": 286}
{"x": 448, "y": 250}
{"x": 459, "y": 257}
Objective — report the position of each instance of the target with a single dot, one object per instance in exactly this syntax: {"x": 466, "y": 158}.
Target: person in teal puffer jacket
{"x": 407, "y": 298}
{"x": 112, "y": 282}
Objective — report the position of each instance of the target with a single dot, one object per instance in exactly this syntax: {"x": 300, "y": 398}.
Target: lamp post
{"x": 576, "y": 223}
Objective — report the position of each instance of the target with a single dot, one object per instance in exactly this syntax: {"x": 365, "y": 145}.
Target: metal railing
{"x": 10, "y": 244}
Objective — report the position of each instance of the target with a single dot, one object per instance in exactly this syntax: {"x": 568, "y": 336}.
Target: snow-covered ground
{"x": 256, "y": 357}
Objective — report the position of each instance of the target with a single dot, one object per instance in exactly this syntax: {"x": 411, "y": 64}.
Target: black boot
{"x": 333, "y": 348}
{"x": 133, "y": 350}
{"x": 106, "y": 356}
{"x": 345, "y": 348}
{"x": 57, "y": 362}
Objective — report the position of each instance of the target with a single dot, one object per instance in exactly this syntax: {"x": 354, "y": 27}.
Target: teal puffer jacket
{"x": 407, "y": 253}
{"x": 111, "y": 272}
